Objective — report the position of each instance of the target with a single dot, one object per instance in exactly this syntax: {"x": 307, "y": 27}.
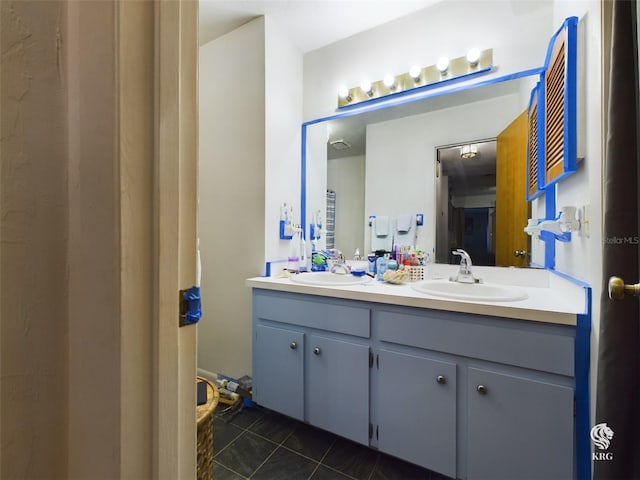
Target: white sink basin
{"x": 487, "y": 292}
{"x": 329, "y": 279}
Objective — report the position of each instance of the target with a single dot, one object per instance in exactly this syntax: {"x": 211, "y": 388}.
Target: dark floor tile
{"x": 285, "y": 464}
{"x": 439, "y": 476}
{"x": 351, "y": 458}
{"x": 325, "y": 473}
{"x": 221, "y": 472}
{"x": 310, "y": 441}
{"x": 223, "y": 434}
{"x": 245, "y": 454}
{"x": 246, "y": 417}
{"x": 274, "y": 426}
{"x": 390, "y": 468}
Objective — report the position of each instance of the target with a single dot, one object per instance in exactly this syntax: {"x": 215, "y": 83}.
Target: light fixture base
{"x": 429, "y": 76}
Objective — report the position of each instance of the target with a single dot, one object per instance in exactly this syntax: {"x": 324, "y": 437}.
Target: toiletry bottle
{"x": 381, "y": 266}
{"x": 371, "y": 258}
{"x": 303, "y": 259}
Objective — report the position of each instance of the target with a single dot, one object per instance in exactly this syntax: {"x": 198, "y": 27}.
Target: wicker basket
{"x": 204, "y": 419}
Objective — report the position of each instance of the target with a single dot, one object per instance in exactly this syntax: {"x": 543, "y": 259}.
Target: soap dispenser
{"x": 294, "y": 253}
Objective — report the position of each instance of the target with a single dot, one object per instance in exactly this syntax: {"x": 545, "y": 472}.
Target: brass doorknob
{"x": 519, "y": 253}
{"x": 617, "y": 289}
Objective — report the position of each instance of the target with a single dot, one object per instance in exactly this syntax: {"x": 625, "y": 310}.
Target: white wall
{"x": 517, "y": 31}
{"x": 346, "y": 177}
{"x": 283, "y": 120}
{"x": 401, "y": 154}
{"x": 582, "y": 258}
{"x": 250, "y": 117}
{"x": 231, "y": 193}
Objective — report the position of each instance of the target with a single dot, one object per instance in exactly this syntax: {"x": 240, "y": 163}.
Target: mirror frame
{"x": 387, "y": 104}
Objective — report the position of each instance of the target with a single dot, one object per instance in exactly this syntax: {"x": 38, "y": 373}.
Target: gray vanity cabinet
{"x": 279, "y": 369}
{"x": 516, "y": 424}
{"x": 338, "y": 387}
{"x": 469, "y": 396}
{"x": 417, "y": 410}
{"x": 311, "y": 362}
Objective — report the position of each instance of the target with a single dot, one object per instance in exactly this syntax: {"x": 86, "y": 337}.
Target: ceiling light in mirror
{"x": 340, "y": 144}
{"x": 468, "y": 151}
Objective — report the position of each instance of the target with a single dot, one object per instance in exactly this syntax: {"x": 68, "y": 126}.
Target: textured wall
{"x": 33, "y": 226}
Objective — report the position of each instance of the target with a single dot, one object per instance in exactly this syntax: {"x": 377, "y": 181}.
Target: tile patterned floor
{"x": 255, "y": 443}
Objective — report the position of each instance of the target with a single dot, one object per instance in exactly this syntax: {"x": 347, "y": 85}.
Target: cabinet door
{"x": 417, "y": 410}
{"x": 338, "y": 387}
{"x": 518, "y": 428}
{"x": 278, "y": 367}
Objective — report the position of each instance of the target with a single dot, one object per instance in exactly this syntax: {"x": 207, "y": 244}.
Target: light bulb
{"x": 365, "y": 86}
{"x": 343, "y": 92}
{"x": 443, "y": 64}
{"x": 414, "y": 72}
{"x": 473, "y": 56}
{"x": 389, "y": 81}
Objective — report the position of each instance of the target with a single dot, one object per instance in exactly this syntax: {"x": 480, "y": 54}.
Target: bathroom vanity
{"x": 466, "y": 389}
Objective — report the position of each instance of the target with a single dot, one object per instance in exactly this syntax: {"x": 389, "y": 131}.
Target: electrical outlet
{"x": 585, "y": 226}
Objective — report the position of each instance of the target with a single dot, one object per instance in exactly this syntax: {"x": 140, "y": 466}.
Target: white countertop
{"x": 551, "y": 298}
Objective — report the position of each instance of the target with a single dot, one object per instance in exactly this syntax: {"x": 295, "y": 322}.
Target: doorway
{"x": 466, "y": 201}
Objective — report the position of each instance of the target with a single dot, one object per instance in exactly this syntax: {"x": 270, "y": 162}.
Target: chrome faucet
{"x": 464, "y": 274}
{"x": 338, "y": 262}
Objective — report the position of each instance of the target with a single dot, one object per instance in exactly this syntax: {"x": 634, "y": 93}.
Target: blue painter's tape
{"x": 303, "y": 181}
{"x": 191, "y": 298}
{"x": 582, "y": 360}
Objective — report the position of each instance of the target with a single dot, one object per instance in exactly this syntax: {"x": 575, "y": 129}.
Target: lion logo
{"x": 601, "y": 435}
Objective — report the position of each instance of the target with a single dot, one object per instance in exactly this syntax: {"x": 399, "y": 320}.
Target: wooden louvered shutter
{"x": 555, "y": 116}
{"x": 532, "y": 146}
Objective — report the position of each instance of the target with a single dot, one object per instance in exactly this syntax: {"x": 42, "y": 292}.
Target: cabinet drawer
{"x": 304, "y": 311}
{"x": 547, "y": 348}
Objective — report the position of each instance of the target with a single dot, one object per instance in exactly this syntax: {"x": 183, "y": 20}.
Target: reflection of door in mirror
{"x": 480, "y": 199}
{"x": 512, "y": 243}
{"x": 466, "y": 201}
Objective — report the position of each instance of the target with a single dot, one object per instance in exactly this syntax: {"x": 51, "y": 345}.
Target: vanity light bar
{"x": 418, "y": 77}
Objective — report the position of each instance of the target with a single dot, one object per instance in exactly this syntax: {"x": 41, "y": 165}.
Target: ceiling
{"x": 309, "y": 24}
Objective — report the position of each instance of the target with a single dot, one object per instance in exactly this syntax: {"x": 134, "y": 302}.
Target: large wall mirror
{"x": 407, "y": 159}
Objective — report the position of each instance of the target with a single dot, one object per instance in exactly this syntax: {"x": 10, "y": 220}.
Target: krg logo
{"x": 601, "y": 435}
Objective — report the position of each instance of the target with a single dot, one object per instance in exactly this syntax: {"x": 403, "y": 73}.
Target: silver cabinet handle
{"x": 293, "y": 345}
{"x": 482, "y": 390}
{"x": 316, "y": 351}
{"x": 441, "y": 379}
